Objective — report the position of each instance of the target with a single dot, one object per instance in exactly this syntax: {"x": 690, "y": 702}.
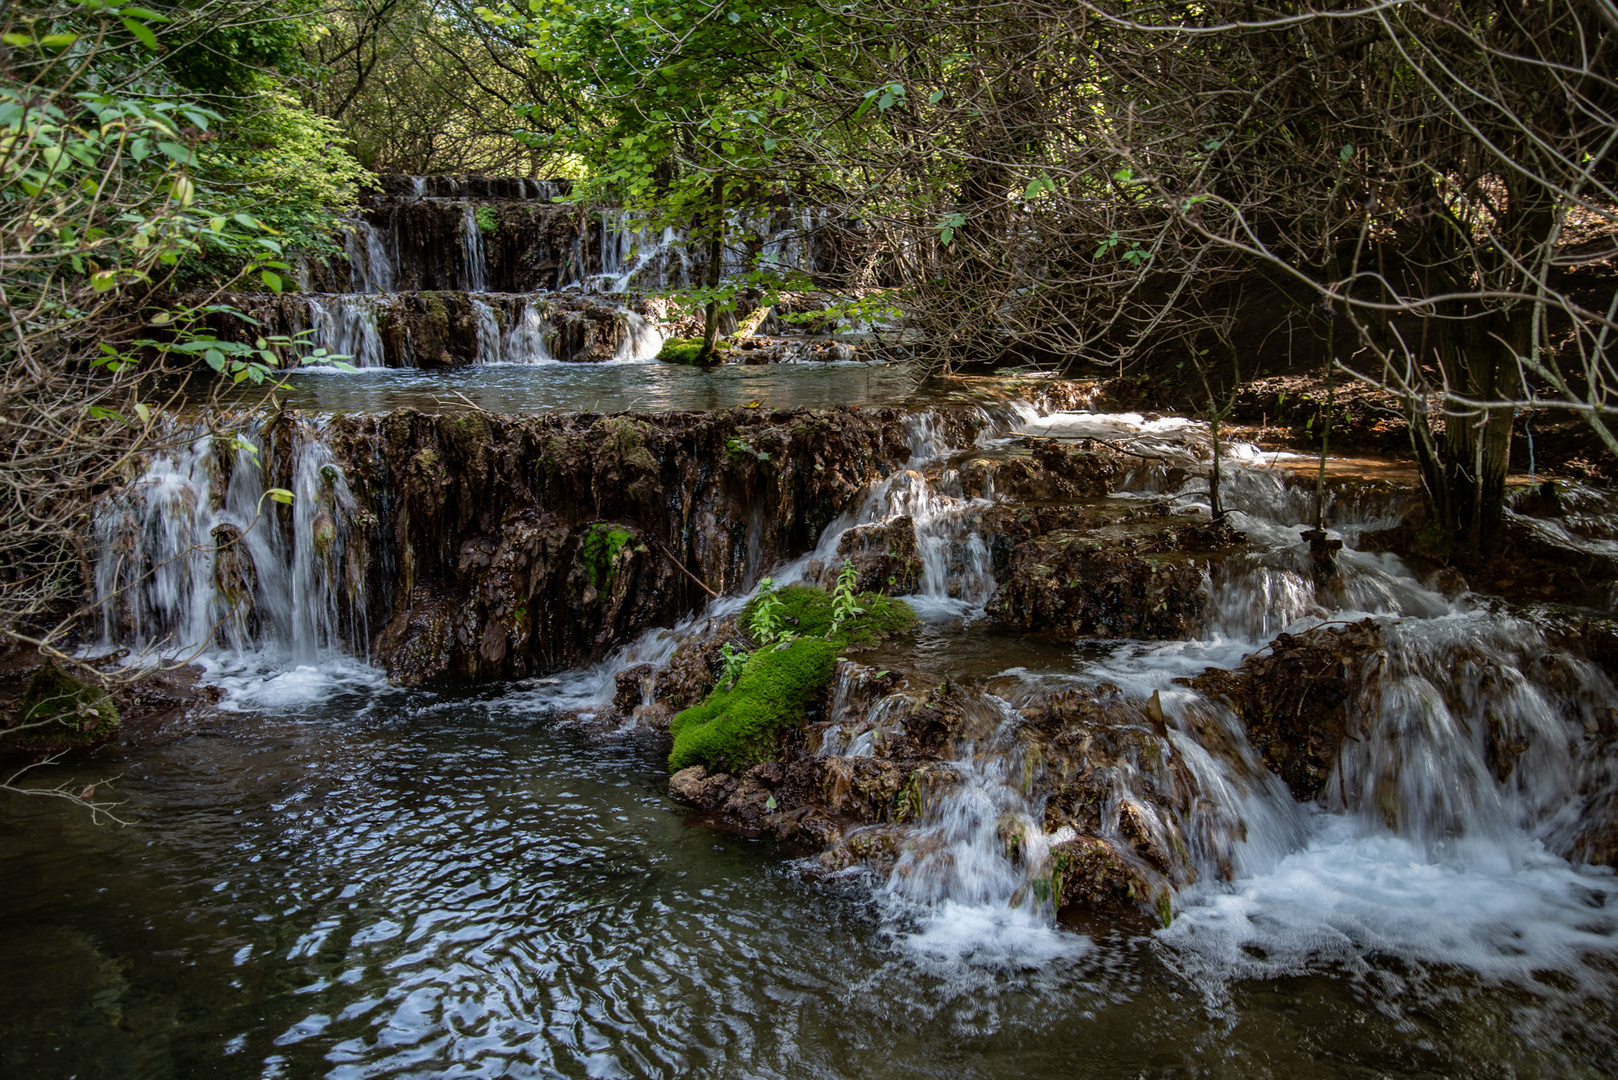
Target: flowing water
{"x": 341, "y": 878}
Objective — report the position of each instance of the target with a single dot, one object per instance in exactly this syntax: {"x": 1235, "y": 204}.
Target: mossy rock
{"x": 738, "y": 728}
{"x": 734, "y": 729}
{"x": 688, "y": 351}
{"x": 600, "y": 549}
{"x": 69, "y": 712}
{"x": 808, "y": 613}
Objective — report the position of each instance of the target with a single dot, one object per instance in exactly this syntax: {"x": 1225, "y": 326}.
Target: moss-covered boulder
{"x": 689, "y": 351}
{"x": 59, "y": 712}
{"x": 733, "y": 729}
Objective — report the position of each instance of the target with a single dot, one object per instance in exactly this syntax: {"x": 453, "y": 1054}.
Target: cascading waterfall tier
{"x": 199, "y": 552}
{"x": 1292, "y": 706}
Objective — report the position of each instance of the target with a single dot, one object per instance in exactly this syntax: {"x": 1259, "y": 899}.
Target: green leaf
{"x": 58, "y": 41}
{"x": 1347, "y": 152}
{"x": 280, "y": 495}
{"x": 272, "y": 280}
{"x": 177, "y": 152}
{"x": 142, "y": 33}
{"x": 935, "y": 97}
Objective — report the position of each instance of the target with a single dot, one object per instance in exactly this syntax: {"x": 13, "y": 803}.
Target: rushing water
{"x": 346, "y": 879}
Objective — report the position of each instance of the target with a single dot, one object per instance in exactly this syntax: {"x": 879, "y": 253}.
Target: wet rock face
{"x": 1297, "y": 700}
{"x": 1124, "y": 821}
{"x": 884, "y": 556}
{"x": 1068, "y": 585}
{"x": 1054, "y": 472}
{"x": 436, "y": 329}
{"x": 504, "y": 547}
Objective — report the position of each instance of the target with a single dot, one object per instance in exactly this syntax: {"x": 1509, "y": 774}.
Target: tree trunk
{"x": 1478, "y": 357}
{"x": 716, "y": 258}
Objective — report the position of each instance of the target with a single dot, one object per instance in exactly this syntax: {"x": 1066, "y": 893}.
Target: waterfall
{"x": 474, "y": 264}
{"x": 639, "y": 256}
{"x": 194, "y": 555}
{"x": 1474, "y": 752}
{"x": 642, "y": 341}
{"x": 370, "y": 265}
{"x": 491, "y": 345}
{"x": 525, "y": 341}
{"x": 345, "y": 325}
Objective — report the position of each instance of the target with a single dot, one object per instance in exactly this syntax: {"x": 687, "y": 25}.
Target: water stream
{"x": 342, "y": 878}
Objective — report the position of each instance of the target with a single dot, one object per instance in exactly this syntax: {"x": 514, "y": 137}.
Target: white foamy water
{"x": 1349, "y": 897}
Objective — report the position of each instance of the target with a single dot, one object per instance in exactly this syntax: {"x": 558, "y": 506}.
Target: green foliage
{"x": 810, "y": 612}
{"x": 288, "y": 165}
{"x": 843, "y": 603}
{"x": 740, "y": 449}
{"x": 731, "y": 669}
{"x": 765, "y": 615}
{"x": 488, "y": 221}
{"x": 250, "y": 46}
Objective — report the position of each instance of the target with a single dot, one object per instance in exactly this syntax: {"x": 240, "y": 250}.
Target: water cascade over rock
{"x": 452, "y": 271}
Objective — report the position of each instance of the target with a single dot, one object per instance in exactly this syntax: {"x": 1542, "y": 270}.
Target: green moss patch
{"x": 600, "y": 550}
{"x": 808, "y": 613}
{"x": 689, "y": 351}
{"x": 69, "y": 712}
{"x": 736, "y": 729}
{"x": 681, "y": 351}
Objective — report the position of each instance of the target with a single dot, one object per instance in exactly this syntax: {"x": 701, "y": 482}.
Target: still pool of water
{"x": 363, "y": 881}
{"x": 602, "y": 388}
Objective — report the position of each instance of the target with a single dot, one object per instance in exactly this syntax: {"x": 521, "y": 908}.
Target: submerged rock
{"x": 60, "y": 712}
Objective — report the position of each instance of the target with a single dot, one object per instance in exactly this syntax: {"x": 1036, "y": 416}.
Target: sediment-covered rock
{"x": 505, "y": 547}
{"x": 1298, "y": 699}
{"x": 1067, "y": 585}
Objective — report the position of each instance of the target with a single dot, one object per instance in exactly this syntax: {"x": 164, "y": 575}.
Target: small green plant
{"x": 768, "y": 620}
{"x": 844, "y": 602}
{"x": 488, "y": 223}
{"x": 734, "y": 660}
{"x": 739, "y": 448}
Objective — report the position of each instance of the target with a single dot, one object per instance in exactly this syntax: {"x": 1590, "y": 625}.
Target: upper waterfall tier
{"x": 510, "y": 234}
{"x": 429, "y": 329}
